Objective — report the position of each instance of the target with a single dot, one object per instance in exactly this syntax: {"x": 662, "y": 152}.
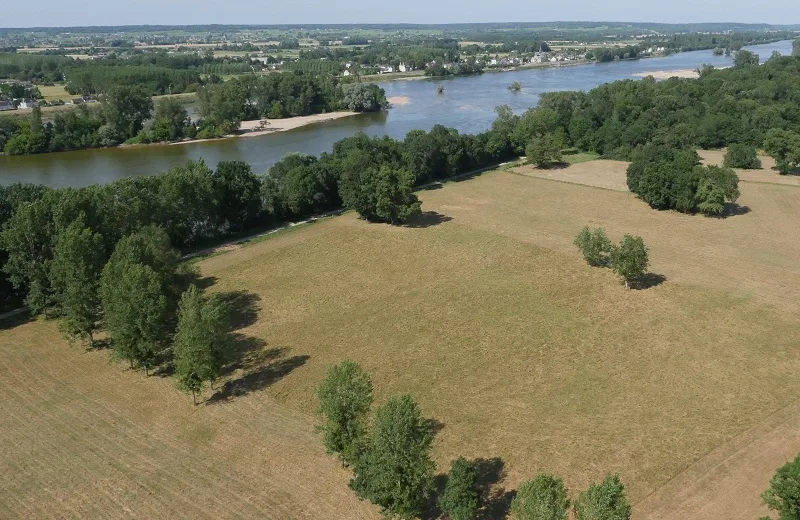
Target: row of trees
{"x": 121, "y": 116}
{"x": 389, "y": 452}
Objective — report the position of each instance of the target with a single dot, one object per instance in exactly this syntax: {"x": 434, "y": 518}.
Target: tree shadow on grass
{"x": 733, "y": 210}
{"x": 242, "y": 307}
{"x": 495, "y": 500}
{"x": 257, "y": 378}
{"x": 428, "y": 219}
{"x": 647, "y": 281}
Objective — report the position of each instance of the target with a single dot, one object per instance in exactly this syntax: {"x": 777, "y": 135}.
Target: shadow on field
{"x": 649, "y": 280}
{"x": 242, "y": 307}
{"x": 733, "y": 210}
{"x": 495, "y": 500}
{"x": 258, "y": 378}
{"x": 428, "y": 219}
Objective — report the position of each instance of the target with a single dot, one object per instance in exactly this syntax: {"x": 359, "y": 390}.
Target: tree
{"x": 395, "y": 471}
{"x": 135, "y": 308}
{"x": 745, "y": 59}
{"x": 544, "y": 149}
{"x": 741, "y": 156}
{"x": 784, "y": 147}
{"x": 515, "y": 86}
{"x": 170, "y": 122}
{"x": 149, "y": 246}
{"x": 237, "y": 191}
{"x": 604, "y": 501}
{"x": 543, "y": 498}
{"x": 381, "y": 194}
{"x": 629, "y": 259}
{"x": 459, "y": 500}
{"x": 126, "y": 108}
{"x": 783, "y": 494}
{"x": 796, "y": 47}
{"x": 363, "y": 97}
{"x": 75, "y": 276}
{"x": 345, "y": 396}
{"x": 201, "y": 340}
{"x": 595, "y": 246}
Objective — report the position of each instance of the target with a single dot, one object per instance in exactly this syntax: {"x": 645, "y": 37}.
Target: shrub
{"x": 741, "y": 156}
{"x": 604, "y": 501}
{"x": 459, "y": 501}
{"x": 783, "y": 494}
{"x": 543, "y": 498}
{"x": 595, "y": 246}
{"x": 629, "y": 259}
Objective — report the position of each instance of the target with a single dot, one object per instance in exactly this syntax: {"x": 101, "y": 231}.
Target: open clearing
{"x": 487, "y": 314}
{"x": 54, "y": 92}
{"x": 767, "y": 173}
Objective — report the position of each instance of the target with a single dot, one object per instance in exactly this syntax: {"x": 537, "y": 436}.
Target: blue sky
{"x": 134, "y": 12}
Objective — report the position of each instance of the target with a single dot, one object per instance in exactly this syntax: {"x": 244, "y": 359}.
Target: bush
{"x": 544, "y": 149}
{"x": 459, "y": 501}
{"x": 604, "y": 501}
{"x": 595, "y": 246}
{"x": 629, "y": 259}
{"x": 741, "y": 156}
{"x": 783, "y": 494}
{"x": 543, "y": 498}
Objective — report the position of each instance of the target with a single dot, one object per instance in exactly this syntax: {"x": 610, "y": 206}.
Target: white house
{"x": 405, "y": 68}
{"x": 346, "y": 73}
{"x": 385, "y": 69}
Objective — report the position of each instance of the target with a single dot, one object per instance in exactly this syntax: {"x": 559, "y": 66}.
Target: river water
{"x": 467, "y": 104}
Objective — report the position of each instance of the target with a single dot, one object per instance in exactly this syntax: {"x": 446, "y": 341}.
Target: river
{"x": 467, "y": 104}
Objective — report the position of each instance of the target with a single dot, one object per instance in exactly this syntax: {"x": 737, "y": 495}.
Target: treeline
{"x": 119, "y": 118}
{"x": 389, "y": 452}
{"x": 276, "y": 96}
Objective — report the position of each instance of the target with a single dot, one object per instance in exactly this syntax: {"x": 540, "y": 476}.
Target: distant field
{"x": 488, "y": 315}
{"x": 54, "y": 92}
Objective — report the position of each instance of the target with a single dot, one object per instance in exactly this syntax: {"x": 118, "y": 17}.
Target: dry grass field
{"x": 54, "y": 92}
{"x": 487, "y": 314}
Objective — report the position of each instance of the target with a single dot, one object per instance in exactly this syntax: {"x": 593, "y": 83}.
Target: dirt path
{"x": 727, "y": 483}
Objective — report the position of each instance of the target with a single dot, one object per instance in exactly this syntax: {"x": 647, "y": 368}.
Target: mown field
{"x": 486, "y": 313}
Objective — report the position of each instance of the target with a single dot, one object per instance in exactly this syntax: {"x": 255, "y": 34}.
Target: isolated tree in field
{"x": 629, "y": 259}
{"x": 741, "y": 156}
{"x": 544, "y": 149}
{"x": 459, "y": 500}
{"x": 382, "y": 194}
{"x": 135, "y": 309}
{"x": 783, "y": 494}
{"x": 543, "y": 498}
{"x": 75, "y": 276}
{"x": 595, "y": 246}
{"x": 604, "y": 501}
{"x": 201, "y": 340}
{"x": 395, "y": 471}
{"x": 345, "y": 396}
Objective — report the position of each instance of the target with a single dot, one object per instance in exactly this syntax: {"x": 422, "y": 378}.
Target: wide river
{"x": 466, "y": 104}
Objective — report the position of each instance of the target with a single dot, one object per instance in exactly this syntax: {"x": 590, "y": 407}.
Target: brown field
{"x": 486, "y": 313}
{"x": 767, "y": 173}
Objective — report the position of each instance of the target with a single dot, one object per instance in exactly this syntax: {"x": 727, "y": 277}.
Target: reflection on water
{"x": 467, "y": 105}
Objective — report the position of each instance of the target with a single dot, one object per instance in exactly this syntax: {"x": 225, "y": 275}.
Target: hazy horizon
{"x": 314, "y": 12}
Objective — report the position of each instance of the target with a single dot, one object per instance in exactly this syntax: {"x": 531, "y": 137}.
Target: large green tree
{"x": 75, "y": 277}
{"x": 237, "y": 191}
{"x": 383, "y": 194}
{"x": 604, "y": 501}
{"x": 126, "y": 108}
{"x": 543, "y": 498}
{"x": 544, "y": 149}
{"x": 136, "y": 313}
{"x": 395, "y": 471}
{"x": 202, "y": 340}
{"x": 345, "y": 396}
{"x": 595, "y": 246}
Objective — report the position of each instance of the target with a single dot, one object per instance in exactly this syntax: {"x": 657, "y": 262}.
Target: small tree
{"x": 135, "y": 307}
{"x": 75, "y": 276}
{"x": 543, "y": 498}
{"x": 459, "y": 501}
{"x": 595, "y": 246}
{"x": 201, "y": 340}
{"x": 604, "y": 501}
{"x": 345, "y": 396}
{"x": 783, "y": 494}
{"x": 629, "y": 259}
{"x": 395, "y": 471}
{"x": 515, "y": 86}
{"x": 544, "y": 149}
{"x": 741, "y": 156}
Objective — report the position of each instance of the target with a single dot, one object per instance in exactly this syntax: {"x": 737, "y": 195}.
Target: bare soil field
{"x": 487, "y": 314}
{"x": 600, "y": 173}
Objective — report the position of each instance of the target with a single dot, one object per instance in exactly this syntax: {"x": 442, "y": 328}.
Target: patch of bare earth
{"x": 767, "y": 173}
{"x": 600, "y": 173}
